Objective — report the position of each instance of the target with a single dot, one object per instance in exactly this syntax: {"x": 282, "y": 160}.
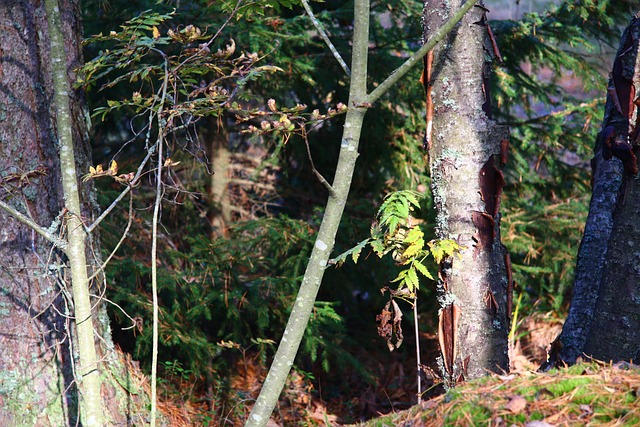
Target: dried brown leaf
{"x": 516, "y": 404}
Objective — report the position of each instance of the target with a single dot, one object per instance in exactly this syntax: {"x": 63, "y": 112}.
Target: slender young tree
{"x": 87, "y": 373}
{"x": 359, "y": 102}
{"x": 603, "y": 319}
{"x": 464, "y": 147}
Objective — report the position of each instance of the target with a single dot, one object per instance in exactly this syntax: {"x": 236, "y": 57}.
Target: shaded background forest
{"x": 242, "y": 210}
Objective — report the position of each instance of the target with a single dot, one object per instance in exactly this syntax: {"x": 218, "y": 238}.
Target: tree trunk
{"x": 464, "y": 147}
{"x": 604, "y": 317}
{"x": 38, "y": 348}
{"x": 359, "y": 103}
{"x": 216, "y": 139}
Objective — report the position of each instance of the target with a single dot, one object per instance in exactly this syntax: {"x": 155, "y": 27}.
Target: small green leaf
{"x": 441, "y": 249}
{"x": 414, "y": 249}
{"x": 401, "y": 276}
{"x": 422, "y": 269}
{"x": 412, "y": 281}
{"x": 379, "y": 247}
{"x": 414, "y": 235}
{"x": 353, "y": 252}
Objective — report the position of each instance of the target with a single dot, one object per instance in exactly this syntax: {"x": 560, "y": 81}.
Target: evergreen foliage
{"x": 229, "y": 294}
{"x": 221, "y": 295}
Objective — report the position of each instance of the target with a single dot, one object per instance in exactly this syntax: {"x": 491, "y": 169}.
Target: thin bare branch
{"x": 556, "y": 114}
{"x": 55, "y": 240}
{"x": 154, "y": 247}
{"x": 420, "y": 53}
{"x": 326, "y": 38}
{"x": 124, "y": 236}
{"x": 313, "y": 167}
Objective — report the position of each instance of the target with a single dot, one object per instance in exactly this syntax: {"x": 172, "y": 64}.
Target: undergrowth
{"x": 223, "y": 302}
{"x": 594, "y": 394}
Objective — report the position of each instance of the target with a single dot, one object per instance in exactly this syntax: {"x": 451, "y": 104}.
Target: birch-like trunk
{"x": 464, "y": 147}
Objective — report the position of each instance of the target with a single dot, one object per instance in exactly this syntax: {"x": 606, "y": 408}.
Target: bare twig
{"x": 124, "y": 236}
{"x": 313, "y": 166}
{"x": 56, "y": 241}
{"x": 326, "y": 38}
{"x": 154, "y": 247}
{"x": 556, "y": 114}
{"x": 107, "y": 300}
{"x": 420, "y": 53}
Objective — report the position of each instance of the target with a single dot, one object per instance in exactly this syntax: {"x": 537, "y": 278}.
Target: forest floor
{"x": 587, "y": 394}
{"x": 590, "y": 393}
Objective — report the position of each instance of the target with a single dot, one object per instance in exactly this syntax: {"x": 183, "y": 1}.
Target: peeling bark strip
{"x": 615, "y": 145}
{"x": 448, "y": 320}
{"x": 507, "y": 264}
{"x": 426, "y": 81}
{"x": 485, "y": 229}
{"x": 621, "y": 85}
{"x": 465, "y": 146}
{"x": 603, "y": 314}
{"x": 619, "y": 142}
{"x": 504, "y": 152}
{"x": 491, "y": 184}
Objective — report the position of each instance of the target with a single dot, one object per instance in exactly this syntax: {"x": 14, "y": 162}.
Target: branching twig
{"x": 205, "y": 46}
{"x": 555, "y": 114}
{"x": 132, "y": 183}
{"x": 107, "y": 300}
{"x": 56, "y": 241}
{"x": 326, "y": 38}
{"x": 124, "y": 236}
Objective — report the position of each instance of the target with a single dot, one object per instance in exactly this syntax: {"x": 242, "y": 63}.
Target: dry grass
{"x": 588, "y": 394}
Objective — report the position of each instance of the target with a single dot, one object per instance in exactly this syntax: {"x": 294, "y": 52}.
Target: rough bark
{"x": 603, "y": 270}
{"x": 615, "y": 331}
{"x": 38, "y": 353}
{"x": 464, "y": 159}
